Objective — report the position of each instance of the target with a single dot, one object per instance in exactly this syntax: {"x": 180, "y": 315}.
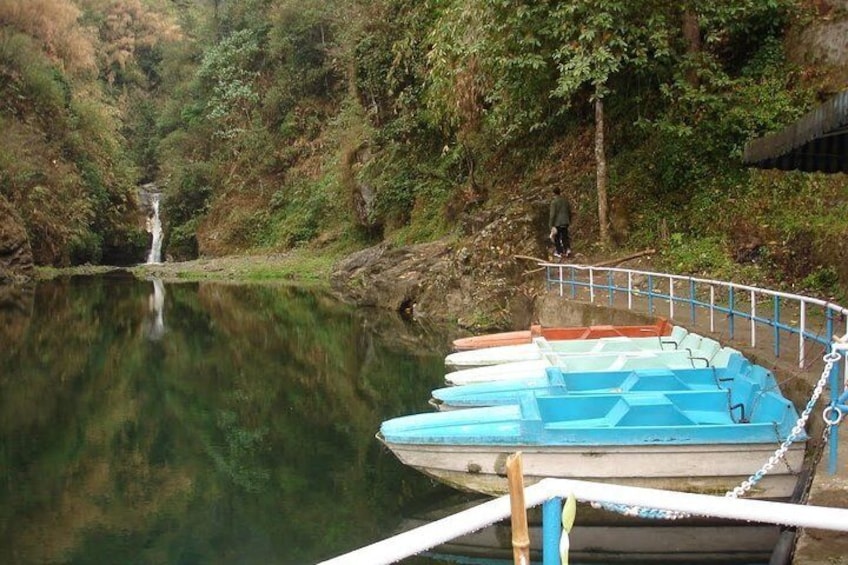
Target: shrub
{"x": 86, "y": 247}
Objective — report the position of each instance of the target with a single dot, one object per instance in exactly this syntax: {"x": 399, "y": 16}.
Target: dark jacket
{"x": 560, "y": 212}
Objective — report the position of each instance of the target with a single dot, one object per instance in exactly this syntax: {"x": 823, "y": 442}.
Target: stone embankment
{"x": 474, "y": 280}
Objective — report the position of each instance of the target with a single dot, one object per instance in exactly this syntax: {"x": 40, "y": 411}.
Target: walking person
{"x": 560, "y": 219}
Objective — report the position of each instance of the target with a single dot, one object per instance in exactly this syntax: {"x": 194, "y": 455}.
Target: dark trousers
{"x": 562, "y": 241}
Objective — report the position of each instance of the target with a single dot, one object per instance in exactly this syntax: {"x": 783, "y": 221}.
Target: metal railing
{"x": 735, "y": 301}
{"x": 726, "y": 306}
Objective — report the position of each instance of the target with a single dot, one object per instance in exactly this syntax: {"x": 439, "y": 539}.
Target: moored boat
{"x": 540, "y": 347}
{"x": 737, "y": 372}
{"x": 704, "y": 353}
{"x": 661, "y": 327}
{"x": 706, "y": 442}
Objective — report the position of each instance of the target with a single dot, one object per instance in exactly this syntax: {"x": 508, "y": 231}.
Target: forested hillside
{"x": 337, "y": 124}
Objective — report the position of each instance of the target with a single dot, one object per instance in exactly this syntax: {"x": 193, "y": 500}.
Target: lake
{"x": 214, "y": 423}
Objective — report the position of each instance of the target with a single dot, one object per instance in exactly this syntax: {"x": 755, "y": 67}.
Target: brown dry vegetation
{"x": 55, "y": 24}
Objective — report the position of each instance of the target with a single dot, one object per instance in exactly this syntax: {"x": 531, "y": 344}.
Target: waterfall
{"x": 154, "y": 226}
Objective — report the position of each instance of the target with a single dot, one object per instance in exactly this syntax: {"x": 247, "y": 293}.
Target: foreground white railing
{"x": 552, "y": 491}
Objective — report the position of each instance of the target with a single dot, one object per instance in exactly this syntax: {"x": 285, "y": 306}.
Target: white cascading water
{"x": 154, "y": 226}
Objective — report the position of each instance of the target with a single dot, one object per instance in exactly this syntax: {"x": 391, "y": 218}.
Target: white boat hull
{"x": 705, "y": 469}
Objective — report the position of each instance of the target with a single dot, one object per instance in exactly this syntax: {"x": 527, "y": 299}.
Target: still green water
{"x": 216, "y": 423}
{"x": 204, "y": 423}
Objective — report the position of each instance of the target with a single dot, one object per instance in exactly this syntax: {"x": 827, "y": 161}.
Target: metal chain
{"x": 641, "y": 511}
{"x": 830, "y": 359}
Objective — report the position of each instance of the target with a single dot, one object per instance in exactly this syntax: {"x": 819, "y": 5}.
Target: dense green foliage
{"x": 280, "y": 123}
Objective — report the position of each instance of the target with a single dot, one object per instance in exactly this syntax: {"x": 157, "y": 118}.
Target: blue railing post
{"x": 573, "y": 284}
{"x": 692, "y": 298}
{"x": 551, "y": 530}
{"x": 730, "y": 310}
{"x": 776, "y": 319}
{"x": 828, "y": 314}
{"x": 650, "y": 294}
{"x": 609, "y": 283}
{"x": 835, "y": 392}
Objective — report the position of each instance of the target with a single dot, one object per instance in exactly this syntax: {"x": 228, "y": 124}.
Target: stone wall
{"x": 554, "y": 310}
{"x": 824, "y": 44}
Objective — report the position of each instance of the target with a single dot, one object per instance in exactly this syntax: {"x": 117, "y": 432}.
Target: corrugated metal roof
{"x": 818, "y": 141}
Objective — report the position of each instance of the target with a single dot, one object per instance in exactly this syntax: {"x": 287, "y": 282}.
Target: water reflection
{"x": 245, "y": 433}
{"x": 599, "y": 537}
{"x": 15, "y": 312}
{"x": 154, "y": 322}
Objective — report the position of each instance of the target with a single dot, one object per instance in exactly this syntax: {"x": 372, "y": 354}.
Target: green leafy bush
{"x": 188, "y": 196}
{"x": 181, "y": 241}
{"x": 696, "y": 256}
{"x": 823, "y": 281}
{"x": 86, "y": 247}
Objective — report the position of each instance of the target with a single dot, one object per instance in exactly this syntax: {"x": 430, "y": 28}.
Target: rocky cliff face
{"x": 15, "y": 253}
{"x": 479, "y": 280}
{"x": 823, "y": 43}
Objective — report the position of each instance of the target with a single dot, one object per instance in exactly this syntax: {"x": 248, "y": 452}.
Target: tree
{"x": 128, "y": 30}
{"x": 598, "y": 39}
{"x": 514, "y": 59}
{"x": 229, "y": 69}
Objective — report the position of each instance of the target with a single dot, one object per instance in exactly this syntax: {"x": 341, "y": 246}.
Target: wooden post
{"x": 520, "y": 535}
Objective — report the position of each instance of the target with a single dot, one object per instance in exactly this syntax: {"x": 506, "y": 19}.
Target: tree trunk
{"x": 471, "y": 162}
{"x": 692, "y": 37}
{"x": 602, "y": 179}
{"x": 216, "y": 23}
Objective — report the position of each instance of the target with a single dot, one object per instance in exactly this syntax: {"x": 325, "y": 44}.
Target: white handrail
{"x": 557, "y": 276}
{"x": 715, "y": 282}
{"x": 430, "y": 535}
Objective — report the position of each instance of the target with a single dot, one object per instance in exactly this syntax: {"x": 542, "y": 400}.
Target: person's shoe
{"x": 557, "y": 255}
{"x": 568, "y": 252}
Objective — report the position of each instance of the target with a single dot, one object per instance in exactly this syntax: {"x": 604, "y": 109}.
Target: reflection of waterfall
{"x": 154, "y": 226}
{"x": 155, "y": 323}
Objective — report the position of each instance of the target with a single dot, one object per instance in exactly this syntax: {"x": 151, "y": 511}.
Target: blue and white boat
{"x": 737, "y": 372}
{"x": 704, "y": 353}
{"x": 694, "y": 441}
{"x": 539, "y": 348}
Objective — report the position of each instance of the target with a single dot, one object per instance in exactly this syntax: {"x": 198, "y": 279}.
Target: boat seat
{"x": 542, "y": 343}
{"x": 645, "y": 380}
{"x": 724, "y": 355}
{"x": 691, "y": 341}
{"x": 677, "y": 334}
